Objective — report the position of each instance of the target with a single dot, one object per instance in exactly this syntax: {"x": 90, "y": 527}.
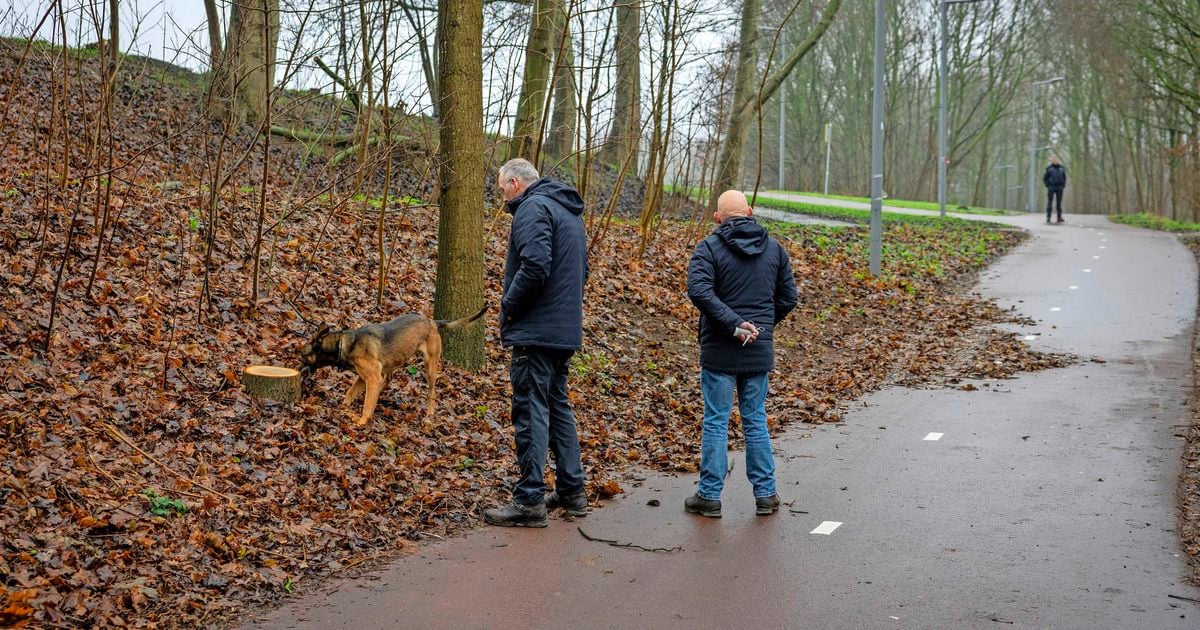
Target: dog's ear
{"x": 321, "y": 331}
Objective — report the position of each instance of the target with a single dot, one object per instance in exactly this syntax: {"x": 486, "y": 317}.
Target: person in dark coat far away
{"x": 741, "y": 280}
{"x": 1055, "y": 179}
{"x": 541, "y": 319}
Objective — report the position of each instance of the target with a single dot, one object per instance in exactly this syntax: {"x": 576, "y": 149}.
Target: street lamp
{"x": 942, "y": 150}
{"x": 782, "y": 102}
{"x": 1033, "y": 138}
{"x": 876, "y": 251}
{"x": 1004, "y": 185}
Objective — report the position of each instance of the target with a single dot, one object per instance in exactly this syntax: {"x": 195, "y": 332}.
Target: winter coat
{"x": 546, "y": 268}
{"x": 1055, "y": 177}
{"x": 739, "y": 274}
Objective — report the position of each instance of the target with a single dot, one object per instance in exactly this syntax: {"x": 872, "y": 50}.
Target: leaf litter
{"x": 140, "y": 486}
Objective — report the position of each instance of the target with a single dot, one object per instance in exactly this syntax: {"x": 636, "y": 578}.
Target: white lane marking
{"x": 1073, "y": 287}
{"x": 826, "y": 528}
{"x": 1087, "y": 271}
{"x": 1030, "y": 337}
{"x": 1103, "y": 240}
{"x": 1100, "y": 233}
{"x": 933, "y": 437}
{"x": 1055, "y": 309}
{"x": 1095, "y": 258}
{"x": 1103, "y": 247}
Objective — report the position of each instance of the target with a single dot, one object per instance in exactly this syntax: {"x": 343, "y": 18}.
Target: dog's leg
{"x": 356, "y": 390}
{"x": 431, "y": 351}
{"x": 371, "y": 372}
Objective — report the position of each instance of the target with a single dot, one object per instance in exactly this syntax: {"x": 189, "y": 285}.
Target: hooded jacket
{"x": 546, "y": 268}
{"x": 1055, "y": 177}
{"x": 739, "y": 274}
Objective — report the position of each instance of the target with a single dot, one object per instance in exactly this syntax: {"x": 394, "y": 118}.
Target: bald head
{"x": 732, "y": 203}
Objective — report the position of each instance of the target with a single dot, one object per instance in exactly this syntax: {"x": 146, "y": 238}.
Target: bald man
{"x": 740, "y": 279}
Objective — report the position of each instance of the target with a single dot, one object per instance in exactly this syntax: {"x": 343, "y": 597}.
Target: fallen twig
{"x": 617, "y": 543}
{"x": 116, "y": 433}
{"x": 1186, "y": 599}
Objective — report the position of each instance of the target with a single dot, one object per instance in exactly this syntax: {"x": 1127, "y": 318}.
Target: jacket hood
{"x": 563, "y": 194}
{"x": 743, "y": 235}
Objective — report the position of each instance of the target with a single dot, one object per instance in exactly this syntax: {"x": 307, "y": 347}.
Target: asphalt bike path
{"x": 1044, "y": 501}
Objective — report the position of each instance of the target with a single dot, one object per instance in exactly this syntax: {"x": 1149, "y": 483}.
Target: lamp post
{"x": 782, "y": 108}
{"x": 828, "y": 151}
{"x": 877, "y": 144}
{"x": 1004, "y": 184}
{"x": 1033, "y": 138}
{"x": 942, "y": 150}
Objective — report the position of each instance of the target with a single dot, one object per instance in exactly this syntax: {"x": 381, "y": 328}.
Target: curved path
{"x": 1047, "y": 501}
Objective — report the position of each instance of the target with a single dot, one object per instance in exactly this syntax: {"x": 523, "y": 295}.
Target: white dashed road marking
{"x": 1095, "y": 258}
{"x": 826, "y": 528}
{"x": 1073, "y": 287}
{"x": 1055, "y": 309}
{"x": 1030, "y": 337}
{"x": 933, "y": 437}
{"x": 1087, "y": 271}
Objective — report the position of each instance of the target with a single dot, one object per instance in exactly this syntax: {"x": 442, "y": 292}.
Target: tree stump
{"x": 273, "y": 382}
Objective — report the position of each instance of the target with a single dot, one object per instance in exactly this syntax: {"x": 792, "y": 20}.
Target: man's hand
{"x": 747, "y": 332}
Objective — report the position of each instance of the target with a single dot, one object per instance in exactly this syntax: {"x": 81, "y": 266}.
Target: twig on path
{"x": 729, "y": 471}
{"x": 617, "y": 543}
{"x": 1186, "y": 599}
{"x": 116, "y": 433}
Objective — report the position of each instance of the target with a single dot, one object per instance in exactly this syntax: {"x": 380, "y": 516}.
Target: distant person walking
{"x": 541, "y": 319}
{"x": 1055, "y": 179}
{"x": 741, "y": 280}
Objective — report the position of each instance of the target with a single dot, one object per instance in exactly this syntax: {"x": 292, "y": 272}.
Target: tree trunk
{"x": 746, "y": 100}
{"x": 730, "y": 163}
{"x": 527, "y": 129}
{"x": 459, "y": 289}
{"x": 114, "y": 30}
{"x": 625, "y": 133}
{"x": 214, "y": 34}
{"x": 248, "y": 61}
{"x": 561, "y": 140}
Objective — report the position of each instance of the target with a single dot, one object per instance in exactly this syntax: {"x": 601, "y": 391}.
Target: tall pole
{"x": 942, "y": 108}
{"x": 1032, "y": 143}
{"x": 1031, "y": 184}
{"x": 877, "y": 145}
{"x": 828, "y": 150}
{"x": 782, "y": 122}
{"x": 943, "y": 149}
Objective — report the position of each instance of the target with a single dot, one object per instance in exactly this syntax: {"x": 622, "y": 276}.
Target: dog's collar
{"x": 343, "y": 347}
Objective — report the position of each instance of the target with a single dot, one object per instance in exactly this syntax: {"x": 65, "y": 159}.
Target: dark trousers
{"x": 542, "y": 420}
{"x": 1052, "y": 196}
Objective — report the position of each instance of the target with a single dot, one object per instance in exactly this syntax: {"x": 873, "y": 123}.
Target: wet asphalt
{"x": 1047, "y": 501}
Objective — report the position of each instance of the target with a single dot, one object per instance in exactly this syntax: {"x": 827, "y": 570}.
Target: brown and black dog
{"x": 375, "y": 350}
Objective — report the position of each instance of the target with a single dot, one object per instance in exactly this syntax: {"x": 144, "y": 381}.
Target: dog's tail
{"x": 455, "y": 324}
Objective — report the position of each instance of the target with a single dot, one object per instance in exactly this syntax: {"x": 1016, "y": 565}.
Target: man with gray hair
{"x": 541, "y": 319}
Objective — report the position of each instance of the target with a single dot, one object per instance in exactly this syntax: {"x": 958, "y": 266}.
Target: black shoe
{"x": 575, "y": 504}
{"x": 1060, "y": 220}
{"x": 1047, "y": 219}
{"x": 517, "y": 515}
{"x": 696, "y": 504}
{"x": 766, "y": 505}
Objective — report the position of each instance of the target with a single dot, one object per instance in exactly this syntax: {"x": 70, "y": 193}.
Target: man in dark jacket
{"x": 541, "y": 319}
{"x": 740, "y": 279}
{"x": 1055, "y": 179}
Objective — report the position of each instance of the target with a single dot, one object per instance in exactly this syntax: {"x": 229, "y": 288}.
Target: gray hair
{"x": 520, "y": 168}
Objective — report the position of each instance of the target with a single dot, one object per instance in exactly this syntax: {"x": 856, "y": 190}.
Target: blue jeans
{"x": 717, "y": 388}
{"x": 542, "y": 420}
